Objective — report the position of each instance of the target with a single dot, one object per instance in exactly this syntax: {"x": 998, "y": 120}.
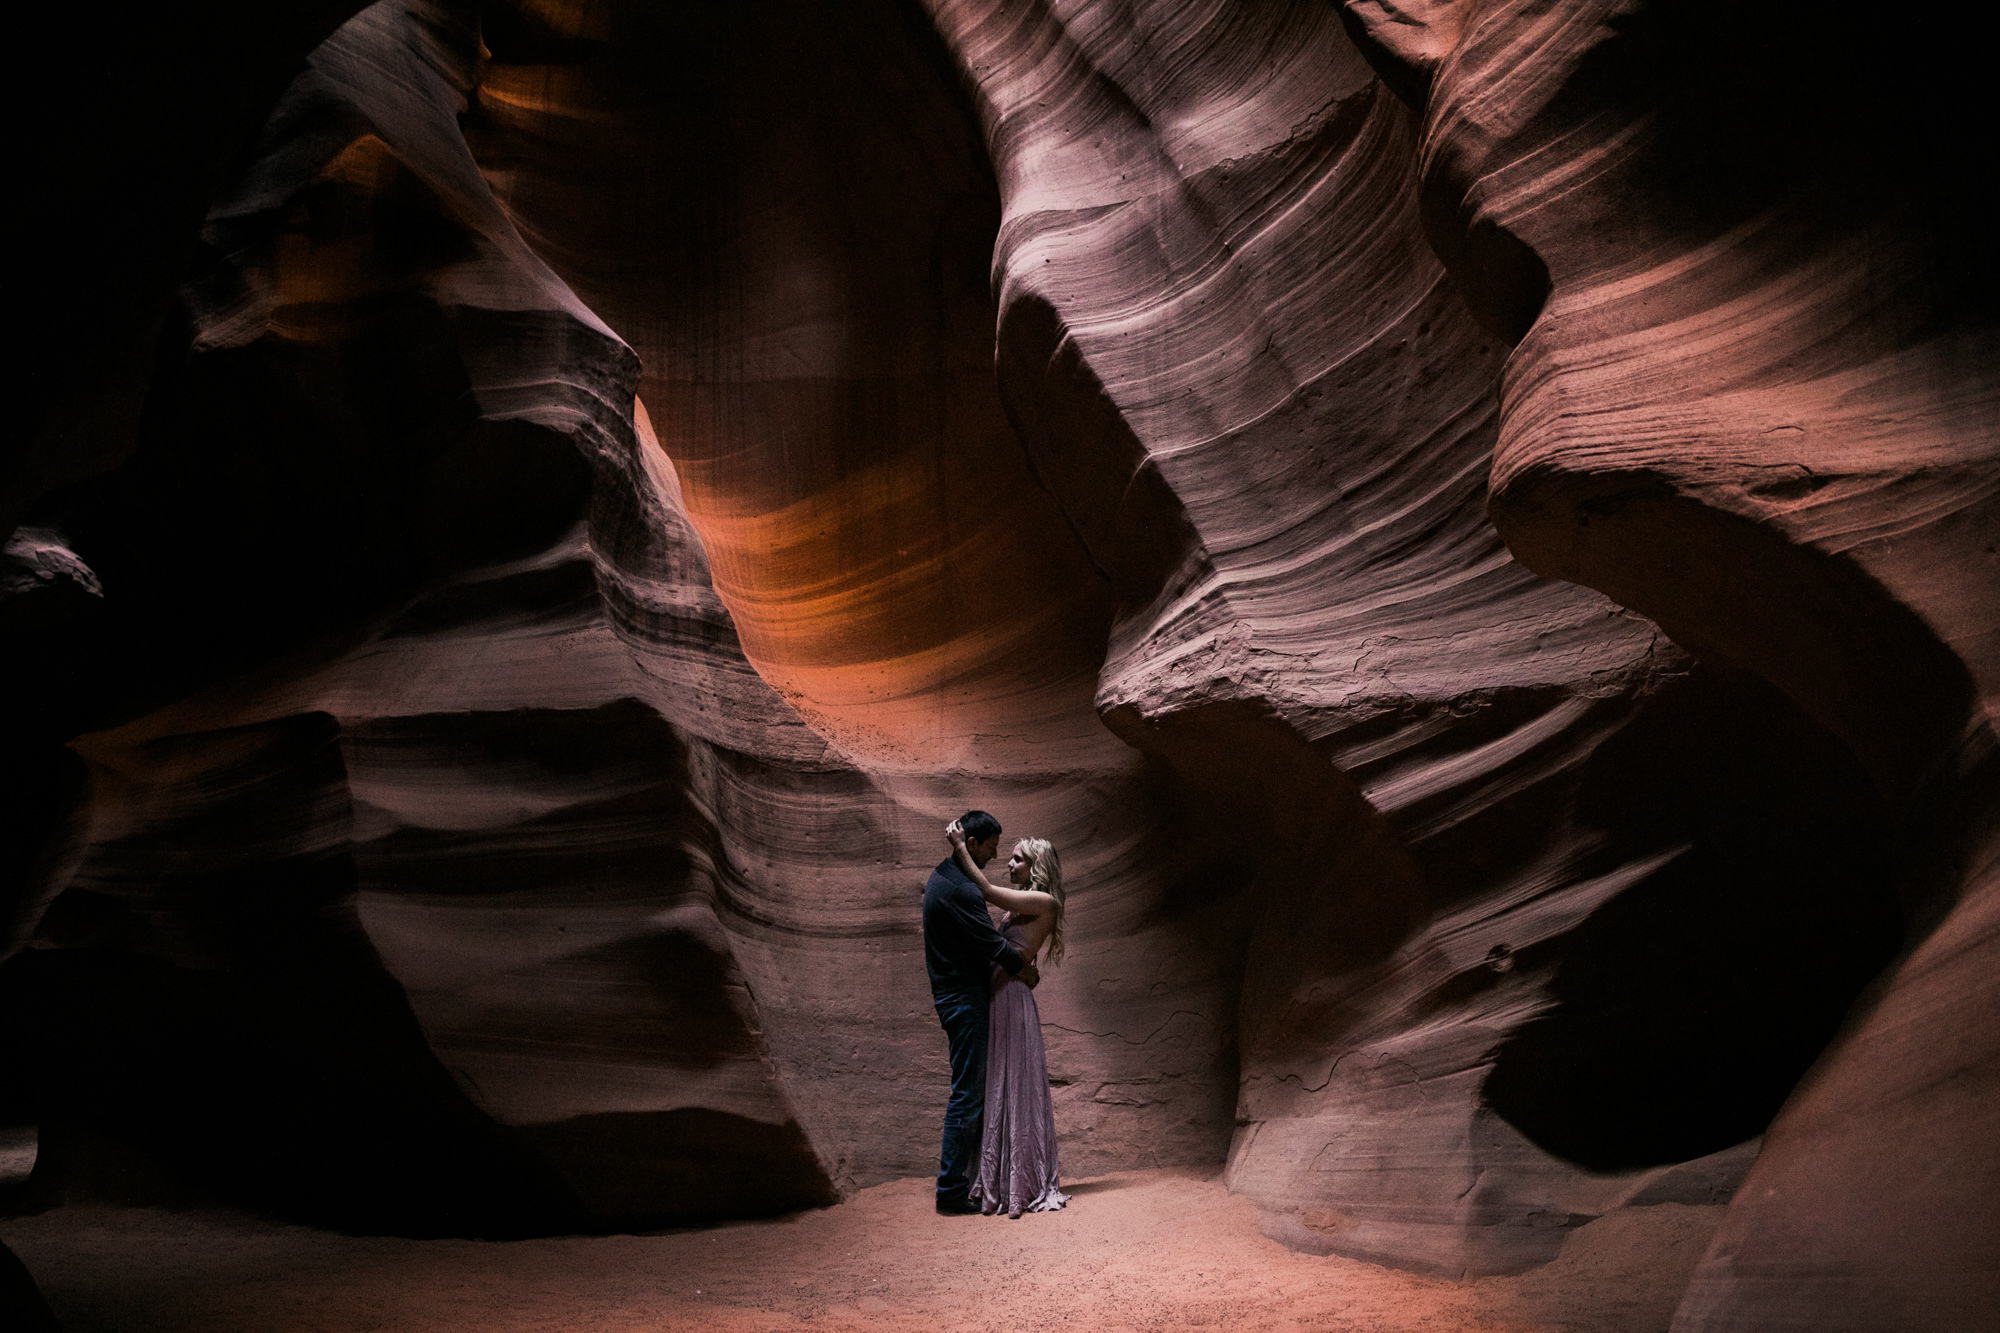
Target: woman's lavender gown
{"x": 1017, "y": 1155}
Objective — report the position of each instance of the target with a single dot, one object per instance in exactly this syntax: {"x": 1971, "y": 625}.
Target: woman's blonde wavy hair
{"x": 1045, "y": 876}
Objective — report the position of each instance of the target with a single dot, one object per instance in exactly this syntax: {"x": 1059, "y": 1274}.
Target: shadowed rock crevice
{"x": 311, "y": 1095}
{"x": 1687, "y": 1007}
{"x": 42, "y": 831}
{"x": 691, "y": 1165}
{"x": 156, "y": 108}
{"x": 1818, "y": 625}
{"x": 282, "y": 495}
{"x": 1320, "y": 854}
{"x": 202, "y": 994}
{"x": 20, "y": 1300}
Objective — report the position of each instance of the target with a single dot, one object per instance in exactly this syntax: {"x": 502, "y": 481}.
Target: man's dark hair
{"x": 978, "y": 826}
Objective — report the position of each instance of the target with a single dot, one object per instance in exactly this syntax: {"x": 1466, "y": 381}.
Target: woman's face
{"x": 1017, "y": 869}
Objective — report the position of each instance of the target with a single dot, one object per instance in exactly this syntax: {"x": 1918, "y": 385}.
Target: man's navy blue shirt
{"x": 960, "y": 944}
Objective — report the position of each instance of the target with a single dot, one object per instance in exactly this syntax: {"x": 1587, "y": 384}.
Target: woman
{"x": 1017, "y": 1154}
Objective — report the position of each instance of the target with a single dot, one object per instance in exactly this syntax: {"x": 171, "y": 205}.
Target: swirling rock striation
{"x": 809, "y": 297}
{"x": 1234, "y": 359}
{"x": 1754, "y": 400}
{"x": 456, "y": 447}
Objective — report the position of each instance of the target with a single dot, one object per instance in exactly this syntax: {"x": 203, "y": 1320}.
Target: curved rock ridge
{"x": 1263, "y": 403}
{"x": 809, "y": 296}
{"x": 497, "y": 745}
{"x": 1754, "y": 400}
{"x": 1235, "y": 361}
{"x": 1824, "y": 390}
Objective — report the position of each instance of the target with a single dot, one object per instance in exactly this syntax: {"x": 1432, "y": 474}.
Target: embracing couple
{"x": 999, "y": 1126}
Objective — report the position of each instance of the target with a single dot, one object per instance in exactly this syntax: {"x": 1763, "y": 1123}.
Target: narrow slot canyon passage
{"x": 1458, "y": 544}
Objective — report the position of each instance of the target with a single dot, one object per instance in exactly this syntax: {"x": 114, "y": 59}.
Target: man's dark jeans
{"x": 964, "y": 1018}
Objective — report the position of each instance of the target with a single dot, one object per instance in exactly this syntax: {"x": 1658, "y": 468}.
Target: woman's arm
{"x": 1027, "y": 902}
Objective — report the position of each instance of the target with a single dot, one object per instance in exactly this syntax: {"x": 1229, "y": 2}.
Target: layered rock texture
{"x": 1471, "y": 526}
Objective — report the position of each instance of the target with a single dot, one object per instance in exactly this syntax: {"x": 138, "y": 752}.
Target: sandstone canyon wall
{"x": 617, "y": 479}
{"x": 1757, "y": 406}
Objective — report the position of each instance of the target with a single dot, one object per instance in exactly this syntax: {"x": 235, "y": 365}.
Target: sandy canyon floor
{"x": 1138, "y": 1251}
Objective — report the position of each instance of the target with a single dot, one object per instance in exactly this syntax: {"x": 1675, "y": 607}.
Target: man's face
{"x": 982, "y": 852}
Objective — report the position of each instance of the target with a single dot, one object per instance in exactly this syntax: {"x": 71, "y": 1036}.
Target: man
{"x": 960, "y": 948}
